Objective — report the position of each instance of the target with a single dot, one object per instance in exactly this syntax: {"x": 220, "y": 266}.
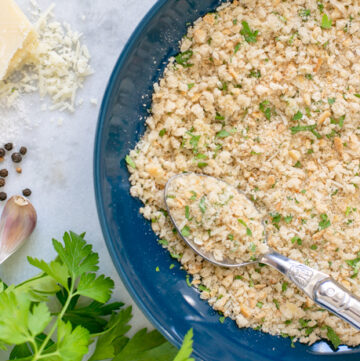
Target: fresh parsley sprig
{"x": 80, "y": 316}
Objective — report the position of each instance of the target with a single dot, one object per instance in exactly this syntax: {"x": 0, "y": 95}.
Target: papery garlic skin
{"x": 17, "y": 222}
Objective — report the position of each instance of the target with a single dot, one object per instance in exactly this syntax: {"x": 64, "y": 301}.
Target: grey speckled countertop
{"x": 59, "y": 164}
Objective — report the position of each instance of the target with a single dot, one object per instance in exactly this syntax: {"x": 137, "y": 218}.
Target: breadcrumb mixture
{"x": 266, "y": 96}
{"x": 217, "y": 219}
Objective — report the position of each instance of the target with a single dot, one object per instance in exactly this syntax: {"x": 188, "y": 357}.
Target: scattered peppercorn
{"x": 23, "y": 150}
{"x": 2, "y": 182}
{"x": 3, "y": 196}
{"x": 26, "y": 192}
{"x": 2, "y": 152}
{"x": 19, "y": 170}
{"x": 16, "y": 157}
{"x": 8, "y": 146}
{"x": 4, "y": 173}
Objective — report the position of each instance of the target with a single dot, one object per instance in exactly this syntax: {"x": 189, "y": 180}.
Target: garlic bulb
{"x": 17, "y": 222}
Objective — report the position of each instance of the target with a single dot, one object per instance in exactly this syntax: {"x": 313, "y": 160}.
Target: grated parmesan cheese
{"x": 60, "y": 70}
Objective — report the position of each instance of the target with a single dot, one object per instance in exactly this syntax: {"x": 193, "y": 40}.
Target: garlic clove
{"x": 17, "y": 222}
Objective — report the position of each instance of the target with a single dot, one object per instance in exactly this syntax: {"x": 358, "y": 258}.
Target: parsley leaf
{"x": 116, "y": 328}
{"x": 99, "y": 289}
{"x": 249, "y": 35}
{"x": 186, "y": 348}
{"x": 149, "y": 346}
{"x": 72, "y": 345}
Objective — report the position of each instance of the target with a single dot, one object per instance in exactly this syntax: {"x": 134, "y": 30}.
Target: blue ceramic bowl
{"x": 164, "y": 296}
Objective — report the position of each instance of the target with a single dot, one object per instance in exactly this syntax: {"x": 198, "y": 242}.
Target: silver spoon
{"x": 319, "y": 286}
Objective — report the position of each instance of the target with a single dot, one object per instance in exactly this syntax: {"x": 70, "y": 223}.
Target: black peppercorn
{"x": 2, "y": 182}
{"x": 16, "y": 157}
{"x": 8, "y": 146}
{"x": 23, "y": 150}
{"x": 4, "y": 173}
{"x": 3, "y": 196}
{"x": 26, "y": 192}
{"x": 2, "y": 152}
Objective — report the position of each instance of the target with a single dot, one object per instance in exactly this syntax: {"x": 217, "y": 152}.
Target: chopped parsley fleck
{"x": 313, "y": 247}
{"x": 191, "y": 85}
{"x": 130, "y": 162}
{"x": 223, "y": 86}
{"x": 219, "y": 117}
{"x": 298, "y": 165}
{"x": 325, "y": 222}
{"x": 277, "y": 305}
{"x": 238, "y": 277}
{"x": 202, "y": 164}
{"x": 265, "y": 109}
{"x": 249, "y": 35}
{"x": 187, "y": 212}
{"x": 326, "y": 22}
{"x": 355, "y": 264}
{"x": 222, "y": 134}
{"x": 251, "y": 283}
{"x": 157, "y": 269}
{"x": 248, "y": 230}
{"x": 164, "y": 242}
{"x": 252, "y": 247}
{"x": 357, "y": 95}
{"x": 331, "y": 101}
{"x": 255, "y": 73}
{"x": 298, "y": 115}
{"x": 183, "y": 58}
{"x": 222, "y": 319}
{"x": 259, "y": 304}
{"x": 288, "y": 322}
{"x": 304, "y": 14}
{"x": 310, "y": 151}
{"x": 284, "y": 286}
{"x": 172, "y": 266}
{"x": 202, "y": 205}
{"x": 230, "y": 236}
{"x": 332, "y": 336}
{"x": 296, "y": 239}
{"x": 288, "y": 219}
{"x": 185, "y": 231}
{"x": 194, "y": 196}
{"x": 309, "y": 76}
{"x": 162, "y": 132}
{"x": 200, "y": 156}
{"x": 203, "y": 288}
{"x": 320, "y": 6}
{"x": 188, "y": 280}
{"x": 235, "y": 21}
{"x": 237, "y": 48}
{"x": 303, "y": 128}
{"x": 276, "y": 218}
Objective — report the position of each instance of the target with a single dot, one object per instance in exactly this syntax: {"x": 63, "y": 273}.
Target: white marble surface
{"x": 59, "y": 164}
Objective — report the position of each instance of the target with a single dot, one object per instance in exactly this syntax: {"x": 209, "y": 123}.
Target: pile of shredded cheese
{"x": 61, "y": 67}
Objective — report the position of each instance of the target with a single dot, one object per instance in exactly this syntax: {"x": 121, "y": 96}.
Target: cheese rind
{"x": 18, "y": 39}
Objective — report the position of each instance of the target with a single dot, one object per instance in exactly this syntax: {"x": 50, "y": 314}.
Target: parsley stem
{"x": 38, "y": 355}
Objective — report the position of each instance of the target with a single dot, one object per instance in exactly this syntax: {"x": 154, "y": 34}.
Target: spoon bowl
{"x": 318, "y": 286}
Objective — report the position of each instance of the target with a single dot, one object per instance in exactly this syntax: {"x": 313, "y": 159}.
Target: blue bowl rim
{"x": 97, "y": 179}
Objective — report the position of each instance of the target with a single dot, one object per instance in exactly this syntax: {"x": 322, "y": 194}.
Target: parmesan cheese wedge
{"x": 18, "y": 39}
